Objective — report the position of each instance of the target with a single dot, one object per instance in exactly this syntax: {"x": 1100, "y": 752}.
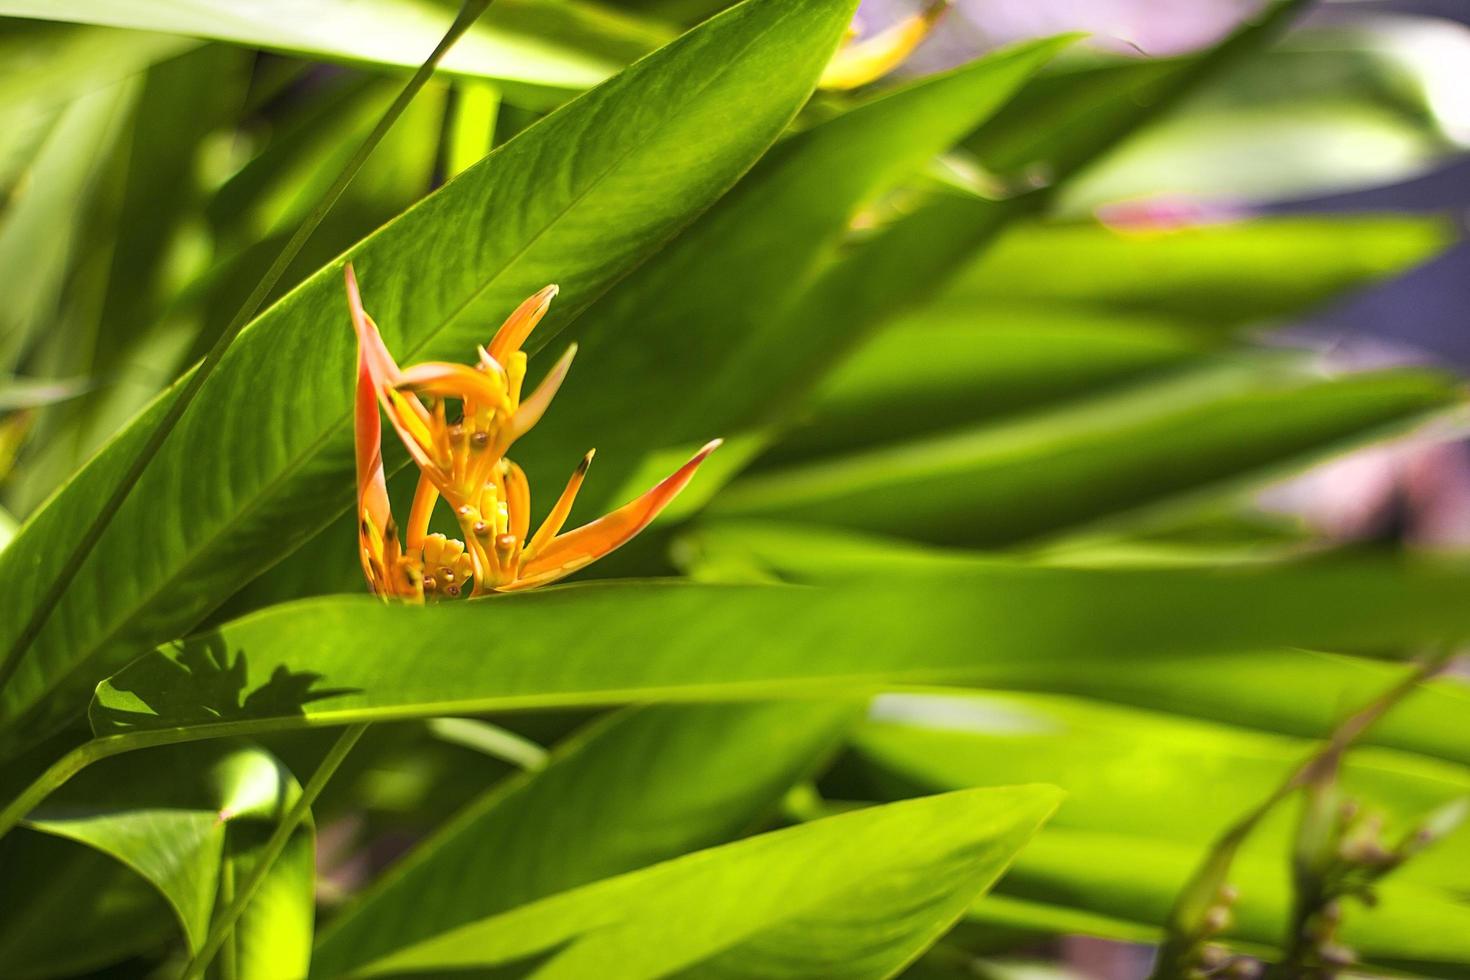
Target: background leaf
{"x": 179, "y": 834}
{"x": 987, "y": 486}
{"x": 639, "y": 787}
{"x": 390, "y": 33}
{"x": 793, "y": 903}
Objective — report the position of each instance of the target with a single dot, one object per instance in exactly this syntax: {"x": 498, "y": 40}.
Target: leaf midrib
{"x": 314, "y": 447}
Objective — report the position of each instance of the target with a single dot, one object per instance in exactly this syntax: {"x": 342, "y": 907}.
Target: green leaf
{"x": 1195, "y": 274}
{"x": 68, "y": 910}
{"x": 948, "y": 365}
{"x": 180, "y": 834}
{"x": 1129, "y": 771}
{"x": 1157, "y": 789}
{"x": 798, "y": 902}
{"x": 389, "y": 33}
{"x": 645, "y": 785}
{"x": 49, "y": 64}
{"x": 1094, "y": 459}
{"x": 40, "y": 226}
{"x": 655, "y": 383}
{"x": 139, "y": 247}
{"x": 339, "y": 660}
{"x": 1255, "y": 688}
{"x": 1411, "y": 928}
{"x": 579, "y": 198}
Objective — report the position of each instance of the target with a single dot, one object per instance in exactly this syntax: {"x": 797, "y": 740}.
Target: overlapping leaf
{"x": 1078, "y": 463}
{"x": 346, "y": 659}
{"x": 263, "y": 458}
{"x": 694, "y": 344}
{"x": 391, "y": 33}
{"x": 646, "y": 785}
{"x": 794, "y": 903}
{"x": 186, "y": 818}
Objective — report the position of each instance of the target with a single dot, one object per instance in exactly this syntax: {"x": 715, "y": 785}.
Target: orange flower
{"x": 463, "y": 460}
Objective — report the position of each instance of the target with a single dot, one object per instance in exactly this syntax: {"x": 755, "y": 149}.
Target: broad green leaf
{"x": 141, "y": 248}
{"x": 48, "y": 65}
{"x": 1255, "y": 688}
{"x": 1329, "y": 108}
{"x": 1410, "y": 929}
{"x": 1094, "y": 459}
{"x": 1262, "y": 690}
{"x": 1263, "y": 152}
{"x": 1195, "y": 274}
{"x": 389, "y": 33}
{"x": 68, "y": 910}
{"x": 654, "y": 381}
{"x": 39, "y": 227}
{"x": 798, "y": 902}
{"x": 578, "y": 199}
{"x": 177, "y": 816}
{"x": 944, "y": 366}
{"x": 1130, "y": 771}
{"x": 1153, "y": 785}
{"x": 346, "y": 659}
{"x": 645, "y": 785}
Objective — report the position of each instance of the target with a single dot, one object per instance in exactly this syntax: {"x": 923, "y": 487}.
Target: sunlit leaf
{"x": 577, "y": 199}
{"x": 185, "y": 818}
{"x": 391, "y": 33}
{"x": 345, "y": 659}
{"x": 794, "y": 903}
{"x": 644, "y": 786}
{"x": 1092, "y": 459}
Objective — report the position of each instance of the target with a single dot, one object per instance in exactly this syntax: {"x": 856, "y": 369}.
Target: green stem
{"x": 224, "y": 923}
{"x": 1186, "y": 928}
{"x": 229, "y": 954}
{"x": 468, "y": 14}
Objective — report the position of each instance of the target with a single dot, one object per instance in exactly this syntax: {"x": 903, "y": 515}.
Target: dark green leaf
{"x": 266, "y": 448}
{"x": 1094, "y": 459}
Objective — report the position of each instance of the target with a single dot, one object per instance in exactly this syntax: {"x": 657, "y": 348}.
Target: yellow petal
{"x": 518, "y": 326}
{"x": 865, "y": 61}
{"x": 425, "y": 496}
{"x": 517, "y": 500}
{"x": 530, "y": 411}
{"x": 563, "y": 508}
{"x": 579, "y": 548}
{"x": 445, "y": 380}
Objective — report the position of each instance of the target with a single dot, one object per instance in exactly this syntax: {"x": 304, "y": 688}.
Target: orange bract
{"x": 460, "y": 451}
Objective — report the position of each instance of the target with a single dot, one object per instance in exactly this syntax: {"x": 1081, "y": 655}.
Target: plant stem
{"x": 468, "y": 14}
{"x": 229, "y": 954}
{"x": 1185, "y": 929}
{"x": 224, "y": 923}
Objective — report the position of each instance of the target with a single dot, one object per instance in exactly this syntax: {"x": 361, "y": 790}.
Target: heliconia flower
{"x": 463, "y": 460}
{"x": 859, "y": 62}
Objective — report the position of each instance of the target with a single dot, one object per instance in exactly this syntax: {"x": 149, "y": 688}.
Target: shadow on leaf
{"x": 199, "y": 683}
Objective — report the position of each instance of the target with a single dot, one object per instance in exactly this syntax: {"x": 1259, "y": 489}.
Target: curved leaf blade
{"x": 794, "y": 903}
{"x": 1100, "y": 458}
{"x": 339, "y": 660}
{"x": 263, "y": 458}
{"x": 388, "y": 33}
{"x": 661, "y": 384}
{"x": 180, "y": 834}
{"x": 643, "y": 786}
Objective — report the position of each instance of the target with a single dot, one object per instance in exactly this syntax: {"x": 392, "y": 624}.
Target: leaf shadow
{"x": 202, "y": 683}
